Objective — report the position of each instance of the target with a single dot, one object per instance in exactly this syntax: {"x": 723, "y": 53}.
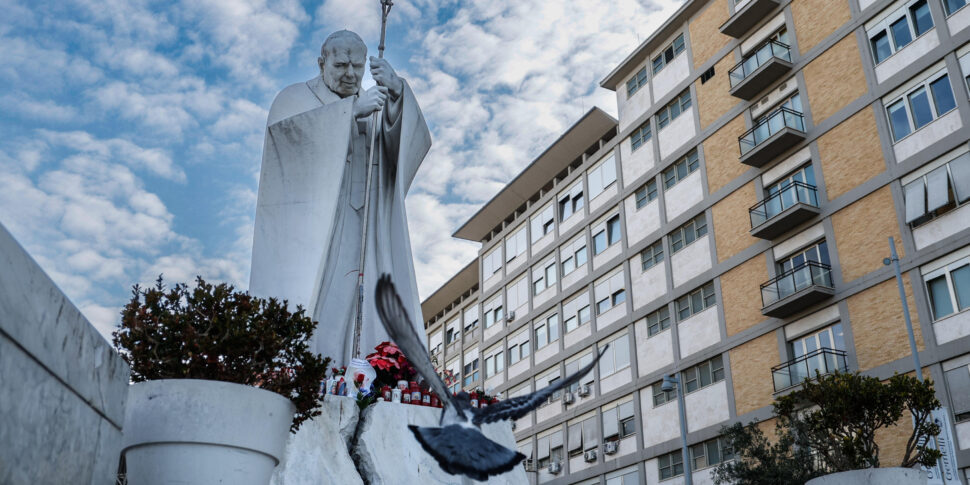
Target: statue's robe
{"x": 309, "y": 212}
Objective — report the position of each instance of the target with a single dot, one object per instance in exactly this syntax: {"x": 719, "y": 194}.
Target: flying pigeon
{"x": 457, "y": 444}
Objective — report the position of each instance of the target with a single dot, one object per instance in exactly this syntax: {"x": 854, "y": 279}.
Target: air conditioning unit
{"x": 510, "y": 317}
{"x": 611, "y": 447}
{"x": 585, "y": 390}
{"x": 589, "y": 456}
{"x": 568, "y": 398}
{"x": 555, "y": 468}
{"x": 530, "y": 465}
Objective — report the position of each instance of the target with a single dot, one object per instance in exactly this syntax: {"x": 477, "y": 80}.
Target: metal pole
{"x": 683, "y": 428}
{"x": 902, "y": 296}
{"x": 359, "y": 317}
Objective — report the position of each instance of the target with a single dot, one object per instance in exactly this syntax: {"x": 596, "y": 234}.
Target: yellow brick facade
{"x": 861, "y": 233}
{"x": 739, "y": 292}
{"x": 878, "y": 328}
{"x": 850, "y": 153}
{"x": 705, "y": 38}
{"x": 751, "y": 365}
{"x": 714, "y": 97}
{"x": 834, "y": 79}
{"x": 817, "y": 19}
{"x": 721, "y": 155}
{"x": 731, "y": 222}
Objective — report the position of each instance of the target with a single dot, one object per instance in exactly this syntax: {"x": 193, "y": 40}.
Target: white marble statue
{"x": 309, "y": 213}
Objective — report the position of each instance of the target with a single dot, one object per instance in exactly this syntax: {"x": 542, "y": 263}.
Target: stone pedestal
{"x": 62, "y": 388}
{"x": 382, "y": 451}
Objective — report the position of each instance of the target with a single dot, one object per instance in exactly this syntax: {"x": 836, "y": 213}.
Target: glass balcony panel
{"x": 824, "y": 360}
{"x": 807, "y": 274}
{"x": 764, "y": 53}
{"x": 768, "y": 126}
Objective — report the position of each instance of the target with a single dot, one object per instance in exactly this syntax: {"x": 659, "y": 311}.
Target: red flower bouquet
{"x": 391, "y": 364}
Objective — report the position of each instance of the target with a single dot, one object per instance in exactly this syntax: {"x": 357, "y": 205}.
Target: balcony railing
{"x": 794, "y": 372}
{"x": 796, "y": 288}
{"x": 772, "y": 124}
{"x": 770, "y": 49}
{"x": 747, "y": 15}
{"x": 794, "y": 203}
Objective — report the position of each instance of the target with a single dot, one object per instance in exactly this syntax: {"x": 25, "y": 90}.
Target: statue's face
{"x": 343, "y": 67}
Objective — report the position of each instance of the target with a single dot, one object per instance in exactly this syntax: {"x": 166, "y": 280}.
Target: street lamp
{"x": 667, "y": 386}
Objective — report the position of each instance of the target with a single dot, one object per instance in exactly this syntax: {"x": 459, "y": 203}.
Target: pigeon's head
{"x": 463, "y": 400}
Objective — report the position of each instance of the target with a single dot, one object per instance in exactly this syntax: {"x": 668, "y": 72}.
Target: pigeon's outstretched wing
{"x": 517, "y": 407}
{"x": 466, "y": 451}
{"x": 396, "y": 321}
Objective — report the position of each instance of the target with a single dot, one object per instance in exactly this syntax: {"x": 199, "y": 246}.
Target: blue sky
{"x": 132, "y": 130}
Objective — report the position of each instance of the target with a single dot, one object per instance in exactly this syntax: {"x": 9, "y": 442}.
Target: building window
{"x": 470, "y": 316}
{"x": 660, "y": 396}
{"x": 920, "y": 105}
{"x": 668, "y": 54}
{"x": 574, "y": 366}
{"x": 582, "y": 436}
{"x": 608, "y": 235}
{"x": 627, "y": 478}
{"x": 669, "y": 113}
{"x": 573, "y": 255}
{"x": 636, "y": 82}
{"x": 616, "y": 357}
{"x": 547, "y": 331}
{"x": 695, "y": 302}
{"x": 618, "y": 422}
{"x": 671, "y": 464}
{"x": 572, "y": 202}
{"x": 684, "y": 235}
{"x": 958, "y": 385}
{"x": 681, "y": 169}
{"x": 543, "y": 223}
{"x": 652, "y": 256}
{"x": 939, "y": 191}
{"x": 519, "y": 347}
{"x": 658, "y": 321}
{"x": 640, "y": 136}
{"x": 549, "y": 449}
{"x": 517, "y": 294}
{"x": 516, "y": 244}
{"x": 710, "y": 453}
{"x": 703, "y": 374}
{"x": 471, "y": 372}
{"x": 899, "y": 29}
{"x": 610, "y": 291}
{"x": 492, "y": 263}
{"x": 828, "y": 338}
{"x": 817, "y": 252}
{"x": 951, "y": 6}
{"x": 452, "y": 333}
{"x": 493, "y": 316}
{"x": 576, "y": 312}
{"x": 494, "y": 364}
{"x": 646, "y": 193}
{"x": 949, "y": 288}
{"x": 601, "y": 177}
{"x": 544, "y": 276}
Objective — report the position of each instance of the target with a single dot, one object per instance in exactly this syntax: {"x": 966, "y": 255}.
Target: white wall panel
{"x": 686, "y": 194}
{"x": 927, "y": 135}
{"x": 707, "y": 407}
{"x": 677, "y": 133}
{"x": 691, "y": 261}
{"x": 699, "y": 332}
{"x": 641, "y": 222}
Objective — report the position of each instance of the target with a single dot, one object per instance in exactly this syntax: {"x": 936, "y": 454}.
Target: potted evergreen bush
{"x": 219, "y": 377}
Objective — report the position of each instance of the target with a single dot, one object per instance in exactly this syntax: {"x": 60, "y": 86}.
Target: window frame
{"x": 637, "y": 81}
{"x": 662, "y": 321}
{"x": 885, "y": 27}
{"x": 695, "y": 373}
{"x": 705, "y": 295}
{"x": 905, "y": 99}
{"x": 946, "y": 272}
{"x": 646, "y": 194}
{"x": 668, "y": 113}
{"x": 675, "y": 50}
{"x": 652, "y": 255}
{"x": 640, "y": 136}
{"x": 672, "y": 176}
{"x": 696, "y": 228}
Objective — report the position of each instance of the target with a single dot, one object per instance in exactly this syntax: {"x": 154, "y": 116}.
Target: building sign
{"x": 945, "y": 473}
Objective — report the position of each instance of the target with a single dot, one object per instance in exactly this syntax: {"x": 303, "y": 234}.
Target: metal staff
{"x": 359, "y": 318}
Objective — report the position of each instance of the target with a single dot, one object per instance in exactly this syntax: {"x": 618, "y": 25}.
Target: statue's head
{"x": 341, "y": 61}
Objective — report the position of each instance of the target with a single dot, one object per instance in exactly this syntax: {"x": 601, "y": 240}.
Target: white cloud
{"x": 42, "y": 110}
{"x": 154, "y": 160}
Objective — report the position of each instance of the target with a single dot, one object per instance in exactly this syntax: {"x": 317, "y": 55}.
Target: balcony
{"x": 747, "y": 16}
{"x": 793, "y": 204}
{"x": 794, "y": 372}
{"x": 796, "y": 289}
{"x": 774, "y": 134}
{"x": 766, "y": 64}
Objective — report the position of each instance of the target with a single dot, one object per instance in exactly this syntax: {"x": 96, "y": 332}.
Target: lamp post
{"x": 668, "y": 385}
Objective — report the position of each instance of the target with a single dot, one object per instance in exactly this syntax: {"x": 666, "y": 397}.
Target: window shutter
{"x": 590, "y": 439}
{"x": 915, "y": 195}
{"x": 626, "y": 410}
{"x": 960, "y": 170}
{"x": 958, "y": 382}
{"x": 575, "y": 437}
{"x": 610, "y": 423}
{"x": 937, "y": 193}
{"x": 543, "y": 448}
{"x": 555, "y": 440}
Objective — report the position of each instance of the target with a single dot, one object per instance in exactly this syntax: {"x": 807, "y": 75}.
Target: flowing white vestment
{"x": 306, "y": 245}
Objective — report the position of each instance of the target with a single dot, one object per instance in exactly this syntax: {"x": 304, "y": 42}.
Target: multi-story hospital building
{"x": 729, "y": 228}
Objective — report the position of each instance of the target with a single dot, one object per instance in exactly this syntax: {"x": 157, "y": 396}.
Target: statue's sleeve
{"x": 407, "y": 139}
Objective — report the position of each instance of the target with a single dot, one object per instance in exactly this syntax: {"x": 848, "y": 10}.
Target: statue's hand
{"x": 384, "y": 75}
{"x": 372, "y": 100}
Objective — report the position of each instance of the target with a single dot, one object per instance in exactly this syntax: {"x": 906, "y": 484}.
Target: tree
{"x": 828, "y": 426}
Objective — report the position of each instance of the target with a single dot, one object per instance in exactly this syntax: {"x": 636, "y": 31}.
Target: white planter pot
{"x": 197, "y": 432}
{"x": 873, "y": 476}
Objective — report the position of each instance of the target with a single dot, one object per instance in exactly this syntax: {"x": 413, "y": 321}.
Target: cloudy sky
{"x": 132, "y": 130}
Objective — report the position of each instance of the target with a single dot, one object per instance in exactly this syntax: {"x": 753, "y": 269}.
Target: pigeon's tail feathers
{"x": 462, "y": 450}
